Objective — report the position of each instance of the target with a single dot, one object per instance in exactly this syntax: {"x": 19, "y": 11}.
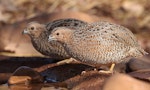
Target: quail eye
{"x": 57, "y": 33}
{"x": 32, "y": 28}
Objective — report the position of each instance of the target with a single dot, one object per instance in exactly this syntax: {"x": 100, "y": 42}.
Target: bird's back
{"x": 70, "y": 22}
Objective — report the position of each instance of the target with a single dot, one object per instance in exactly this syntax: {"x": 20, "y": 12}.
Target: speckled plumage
{"x": 39, "y": 36}
{"x": 98, "y": 43}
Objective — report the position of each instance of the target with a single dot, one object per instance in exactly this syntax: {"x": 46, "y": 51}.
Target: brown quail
{"x": 39, "y": 36}
{"x": 99, "y": 43}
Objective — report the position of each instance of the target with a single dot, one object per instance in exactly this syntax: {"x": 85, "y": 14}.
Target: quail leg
{"x": 65, "y": 61}
{"x": 109, "y": 71}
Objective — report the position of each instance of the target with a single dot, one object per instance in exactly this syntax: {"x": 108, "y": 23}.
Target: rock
{"x": 143, "y": 74}
{"x": 136, "y": 64}
{"x": 91, "y": 80}
{"x": 25, "y": 75}
{"x": 125, "y": 82}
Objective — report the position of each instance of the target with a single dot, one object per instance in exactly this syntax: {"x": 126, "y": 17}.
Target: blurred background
{"x": 132, "y": 13}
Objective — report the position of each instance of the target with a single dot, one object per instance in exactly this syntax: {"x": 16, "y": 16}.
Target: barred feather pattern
{"x": 101, "y": 43}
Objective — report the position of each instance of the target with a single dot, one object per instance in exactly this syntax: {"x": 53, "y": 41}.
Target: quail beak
{"x": 25, "y": 31}
{"x": 51, "y": 38}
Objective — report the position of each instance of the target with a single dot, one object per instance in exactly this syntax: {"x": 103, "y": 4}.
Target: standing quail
{"x": 39, "y": 36}
{"x": 100, "y": 43}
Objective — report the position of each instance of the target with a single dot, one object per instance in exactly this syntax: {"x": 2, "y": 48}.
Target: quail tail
{"x": 138, "y": 52}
